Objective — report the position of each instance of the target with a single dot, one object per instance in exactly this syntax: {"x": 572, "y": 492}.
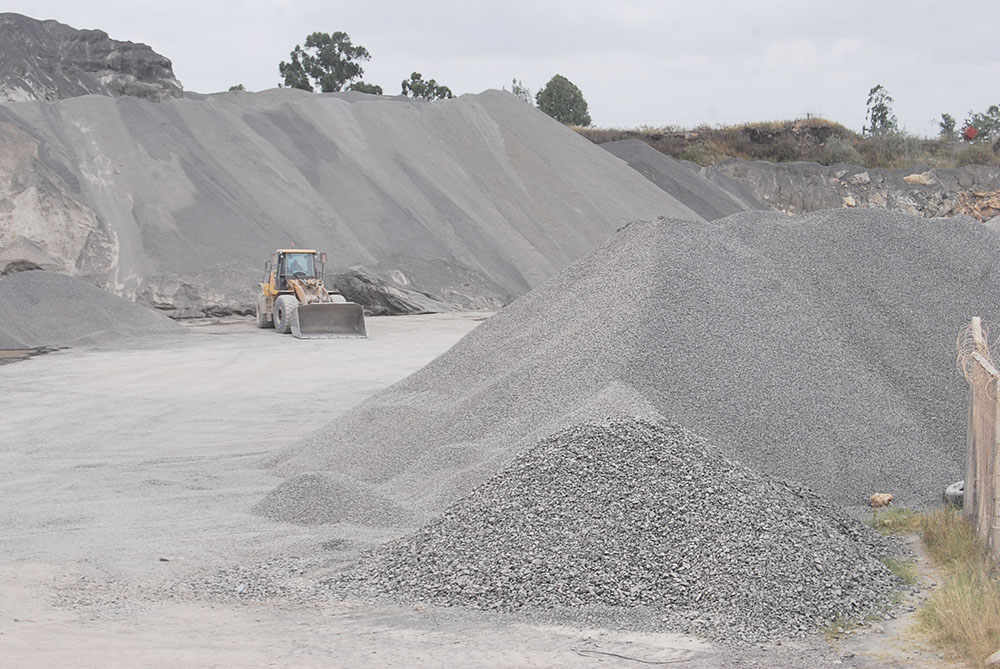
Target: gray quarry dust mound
{"x": 178, "y": 204}
{"x": 685, "y": 183}
{"x": 817, "y": 349}
{"x": 328, "y": 498}
{"x": 44, "y": 309}
{"x": 626, "y": 513}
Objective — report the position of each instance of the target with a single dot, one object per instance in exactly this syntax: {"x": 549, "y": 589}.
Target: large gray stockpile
{"x": 45, "y": 309}
{"x": 684, "y": 181}
{"x": 817, "y": 349}
{"x": 177, "y": 204}
{"x": 626, "y": 513}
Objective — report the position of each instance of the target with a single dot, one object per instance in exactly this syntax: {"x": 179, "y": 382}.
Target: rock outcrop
{"x": 47, "y": 60}
{"x": 797, "y": 188}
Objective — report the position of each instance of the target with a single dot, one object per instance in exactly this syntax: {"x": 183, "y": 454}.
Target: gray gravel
{"x": 44, "y": 309}
{"x": 687, "y": 184}
{"x": 627, "y": 513}
{"x": 818, "y": 349}
{"x": 178, "y": 204}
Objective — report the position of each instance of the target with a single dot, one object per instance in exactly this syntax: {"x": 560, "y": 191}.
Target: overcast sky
{"x": 639, "y": 62}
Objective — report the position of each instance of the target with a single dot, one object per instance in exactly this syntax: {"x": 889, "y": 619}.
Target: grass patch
{"x": 896, "y": 521}
{"x": 962, "y": 616}
{"x": 905, "y": 570}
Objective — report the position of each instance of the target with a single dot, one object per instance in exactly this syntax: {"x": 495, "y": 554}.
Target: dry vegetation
{"x": 815, "y": 140}
{"x": 962, "y": 617}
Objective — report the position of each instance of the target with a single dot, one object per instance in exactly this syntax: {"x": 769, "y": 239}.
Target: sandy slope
{"x": 180, "y": 203}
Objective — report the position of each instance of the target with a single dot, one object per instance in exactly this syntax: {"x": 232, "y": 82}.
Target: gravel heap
{"x": 351, "y": 501}
{"x": 687, "y": 183}
{"x": 626, "y": 513}
{"x": 818, "y": 349}
{"x": 44, "y": 309}
{"x": 178, "y": 204}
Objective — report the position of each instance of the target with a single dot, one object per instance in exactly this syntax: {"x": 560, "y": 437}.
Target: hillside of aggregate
{"x": 817, "y": 349}
{"x": 44, "y": 309}
{"x": 462, "y": 203}
{"x": 686, "y": 182}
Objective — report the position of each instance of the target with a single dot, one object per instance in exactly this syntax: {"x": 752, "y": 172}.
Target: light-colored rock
{"x": 880, "y": 500}
{"x": 849, "y": 201}
{"x": 993, "y": 660}
{"x": 860, "y": 179}
{"x": 922, "y": 179}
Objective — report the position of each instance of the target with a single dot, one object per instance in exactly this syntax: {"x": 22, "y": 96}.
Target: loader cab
{"x": 294, "y": 265}
{"x": 297, "y": 265}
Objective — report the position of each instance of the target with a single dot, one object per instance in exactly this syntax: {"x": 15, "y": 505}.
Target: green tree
{"x": 521, "y": 91}
{"x": 237, "y": 87}
{"x": 416, "y": 87}
{"x": 330, "y": 62}
{"x": 879, "y": 119}
{"x": 987, "y": 123}
{"x": 365, "y": 87}
{"x": 563, "y": 101}
{"x": 947, "y": 126}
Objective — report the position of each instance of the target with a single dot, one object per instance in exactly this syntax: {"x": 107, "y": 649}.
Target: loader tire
{"x": 283, "y": 308}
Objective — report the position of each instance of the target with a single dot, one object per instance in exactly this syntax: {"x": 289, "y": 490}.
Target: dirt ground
{"x": 127, "y": 479}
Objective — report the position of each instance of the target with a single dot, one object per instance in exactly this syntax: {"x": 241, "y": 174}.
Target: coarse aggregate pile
{"x": 686, "y": 182}
{"x": 630, "y": 513}
{"x": 817, "y": 349}
{"x": 45, "y": 309}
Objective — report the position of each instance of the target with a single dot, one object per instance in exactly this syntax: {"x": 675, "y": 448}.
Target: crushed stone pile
{"x": 817, "y": 349}
{"x": 688, "y": 184}
{"x": 629, "y": 513}
{"x": 44, "y": 309}
{"x": 459, "y": 203}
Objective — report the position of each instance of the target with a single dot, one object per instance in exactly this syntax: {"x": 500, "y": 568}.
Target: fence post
{"x": 992, "y": 498}
{"x": 982, "y": 455}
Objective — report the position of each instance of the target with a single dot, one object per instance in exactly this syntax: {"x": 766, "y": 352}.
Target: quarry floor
{"x": 126, "y": 472}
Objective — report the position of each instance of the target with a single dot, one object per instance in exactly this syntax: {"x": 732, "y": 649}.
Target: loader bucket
{"x": 329, "y": 320}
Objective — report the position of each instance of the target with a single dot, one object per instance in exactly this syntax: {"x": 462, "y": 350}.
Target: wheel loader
{"x": 293, "y": 298}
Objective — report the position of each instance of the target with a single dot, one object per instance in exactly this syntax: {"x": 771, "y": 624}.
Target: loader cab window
{"x": 299, "y": 265}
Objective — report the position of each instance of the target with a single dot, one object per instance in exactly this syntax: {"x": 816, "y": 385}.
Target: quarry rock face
{"x": 47, "y": 60}
{"x": 797, "y": 188}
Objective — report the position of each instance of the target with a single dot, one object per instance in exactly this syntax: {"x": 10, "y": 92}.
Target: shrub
{"x": 702, "y": 152}
{"x": 839, "y": 150}
{"x": 977, "y": 155}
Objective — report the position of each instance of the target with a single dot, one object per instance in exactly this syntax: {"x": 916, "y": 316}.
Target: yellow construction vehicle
{"x": 293, "y": 298}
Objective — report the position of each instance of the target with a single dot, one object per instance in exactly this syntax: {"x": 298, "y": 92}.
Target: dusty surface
{"x": 178, "y": 204}
{"x": 127, "y": 478}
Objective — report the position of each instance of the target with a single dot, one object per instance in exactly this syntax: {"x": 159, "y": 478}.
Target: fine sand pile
{"x": 687, "y": 184}
{"x": 44, "y": 309}
{"x": 817, "y": 349}
{"x": 625, "y": 513}
{"x": 471, "y": 201}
